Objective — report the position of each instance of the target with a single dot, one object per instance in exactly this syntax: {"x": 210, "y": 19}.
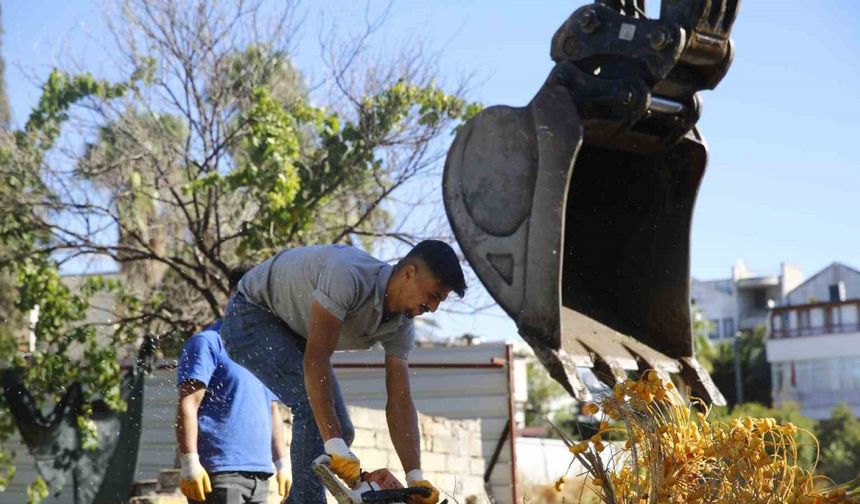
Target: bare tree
{"x": 216, "y": 155}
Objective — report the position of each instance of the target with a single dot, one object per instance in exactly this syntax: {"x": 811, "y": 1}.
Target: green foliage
{"x": 290, "y": 183}
{"x": 257, "y": 66}
{"x": 58, "y": 94}
{"x": 60, "y": 327}
{"x": 839, "y": 438}
{"x": 5, "y": 113}
{"x": 542, "y": 390}
{"x": 705, "y": 351}
{"x": 37, "y": 491}
{"x": 7, "y": 428}
{"x": 755, "y": 369}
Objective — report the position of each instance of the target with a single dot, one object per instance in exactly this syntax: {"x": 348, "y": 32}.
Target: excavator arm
{"x": 575, "y": 210}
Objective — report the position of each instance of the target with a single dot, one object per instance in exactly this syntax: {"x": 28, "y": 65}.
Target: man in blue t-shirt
{"x": 228, "y": 425}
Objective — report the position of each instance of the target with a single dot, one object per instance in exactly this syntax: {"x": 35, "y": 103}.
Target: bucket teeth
{"x": 700, "y": 382}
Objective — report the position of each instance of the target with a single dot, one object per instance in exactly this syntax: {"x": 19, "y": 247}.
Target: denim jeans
{"x": 236, "y": 488}
{"x": 261, "y": 342}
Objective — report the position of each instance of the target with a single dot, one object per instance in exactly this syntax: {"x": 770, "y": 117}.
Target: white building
{"x": 813, "y": 344}
{"x": 740, "y": 303}
{"x": 716, "y": 302}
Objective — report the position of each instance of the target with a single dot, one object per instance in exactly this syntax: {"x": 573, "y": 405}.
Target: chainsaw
{"x": 379, "y": 487}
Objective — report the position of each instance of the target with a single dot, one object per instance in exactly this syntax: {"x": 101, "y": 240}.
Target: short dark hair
{"x": 236, "y": 274}
{"x": 442, "y": 261}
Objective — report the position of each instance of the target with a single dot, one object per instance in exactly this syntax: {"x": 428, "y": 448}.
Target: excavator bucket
{"x": 575, "y": 210}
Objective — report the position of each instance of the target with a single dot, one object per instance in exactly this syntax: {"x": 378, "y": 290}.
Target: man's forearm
{"x": 403, "y": 428}
{"x": 186, "y": 427}
{"x": 279, "y": 450}
{"x": 319, "y": 384}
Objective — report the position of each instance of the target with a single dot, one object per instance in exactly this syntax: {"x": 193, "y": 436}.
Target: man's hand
{"x": 415, "y": 478}
{"x": 193, "y": 480}
{"x": 344, "y": 463}
{"x": 282, "y": 477}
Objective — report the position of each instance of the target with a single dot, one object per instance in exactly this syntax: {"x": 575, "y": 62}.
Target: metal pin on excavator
{"x": 575, "y": 210}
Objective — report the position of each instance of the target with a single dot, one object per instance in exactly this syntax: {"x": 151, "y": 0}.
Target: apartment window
{"x": 837, "y": 292}
{"x": 776, "y": 322}
{"x": 828, "y": 373}
{"x": 817, "y": 375}
{"x": 816, "y": 317}
{"x": 783, "y": 317}
{"x": 832, "y": 317}
{"x": 849, "y": 314}
{"x": 823, "y": 374}
{"x": 850, "y": 373}
{"x": 803, "y": 376}
{"x": 760, "y": 299}
{"x": 792, "y": 320}
{"x": 728, "y": 327}
{"x": 777, "y": 377}
{"x": 715, "y": 328}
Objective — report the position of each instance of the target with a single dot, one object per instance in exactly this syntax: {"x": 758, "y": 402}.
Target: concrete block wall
{"x": 451, "y": 455}
{"x": 451, "y": 458}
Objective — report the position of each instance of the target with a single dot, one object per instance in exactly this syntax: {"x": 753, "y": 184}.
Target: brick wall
{"x": 450, "y": 451}
{"x": 450, "y": 457}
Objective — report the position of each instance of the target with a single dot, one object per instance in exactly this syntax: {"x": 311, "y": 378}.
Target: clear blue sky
{"x": 782, "y": 183}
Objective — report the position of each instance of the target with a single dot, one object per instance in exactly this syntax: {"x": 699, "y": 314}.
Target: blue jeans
{"x": 261, "y": 342}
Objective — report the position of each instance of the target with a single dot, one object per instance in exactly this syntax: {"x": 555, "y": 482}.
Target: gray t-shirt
{"x": 346, "y": 281}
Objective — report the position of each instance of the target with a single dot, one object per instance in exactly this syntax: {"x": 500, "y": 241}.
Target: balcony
{"x": 815, "y": 319}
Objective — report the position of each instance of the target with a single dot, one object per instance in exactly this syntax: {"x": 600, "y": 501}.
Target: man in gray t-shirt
{"x": 291, "y": 312}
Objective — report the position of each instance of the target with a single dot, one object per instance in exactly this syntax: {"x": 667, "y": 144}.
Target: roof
{"x": 830, "y": 266}
{"x": 757, "y": 281}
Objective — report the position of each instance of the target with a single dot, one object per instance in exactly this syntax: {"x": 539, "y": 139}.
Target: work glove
{"x": 344, "y": 463}
{"x": 415, "y": 478}
{"x": 193, "y": 480}
{"x": 282, "y": 476}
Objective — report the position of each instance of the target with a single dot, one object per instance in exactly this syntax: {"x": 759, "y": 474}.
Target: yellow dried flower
{"x": 578, "y": 448}
{"x": 677, "y": 448}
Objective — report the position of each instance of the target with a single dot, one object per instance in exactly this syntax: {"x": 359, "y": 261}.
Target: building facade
{"x": 741, "y": 302}
{"x": 813, "y": 344}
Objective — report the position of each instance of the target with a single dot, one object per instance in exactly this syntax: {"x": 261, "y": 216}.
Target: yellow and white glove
{"x": 344, "y": 463}
{"x": 193, "y": 480}
{"x": 415, "y": 478}
{"x": 282, "y": 476}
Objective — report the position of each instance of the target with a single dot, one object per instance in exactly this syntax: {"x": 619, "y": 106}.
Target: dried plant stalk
{"x": 675, "y": 453}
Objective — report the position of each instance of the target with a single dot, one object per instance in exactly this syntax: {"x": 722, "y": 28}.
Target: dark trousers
{"x": 237, "y": 488}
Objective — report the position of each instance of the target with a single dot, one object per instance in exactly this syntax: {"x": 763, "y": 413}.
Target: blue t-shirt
{"x": 235, "y": 418}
